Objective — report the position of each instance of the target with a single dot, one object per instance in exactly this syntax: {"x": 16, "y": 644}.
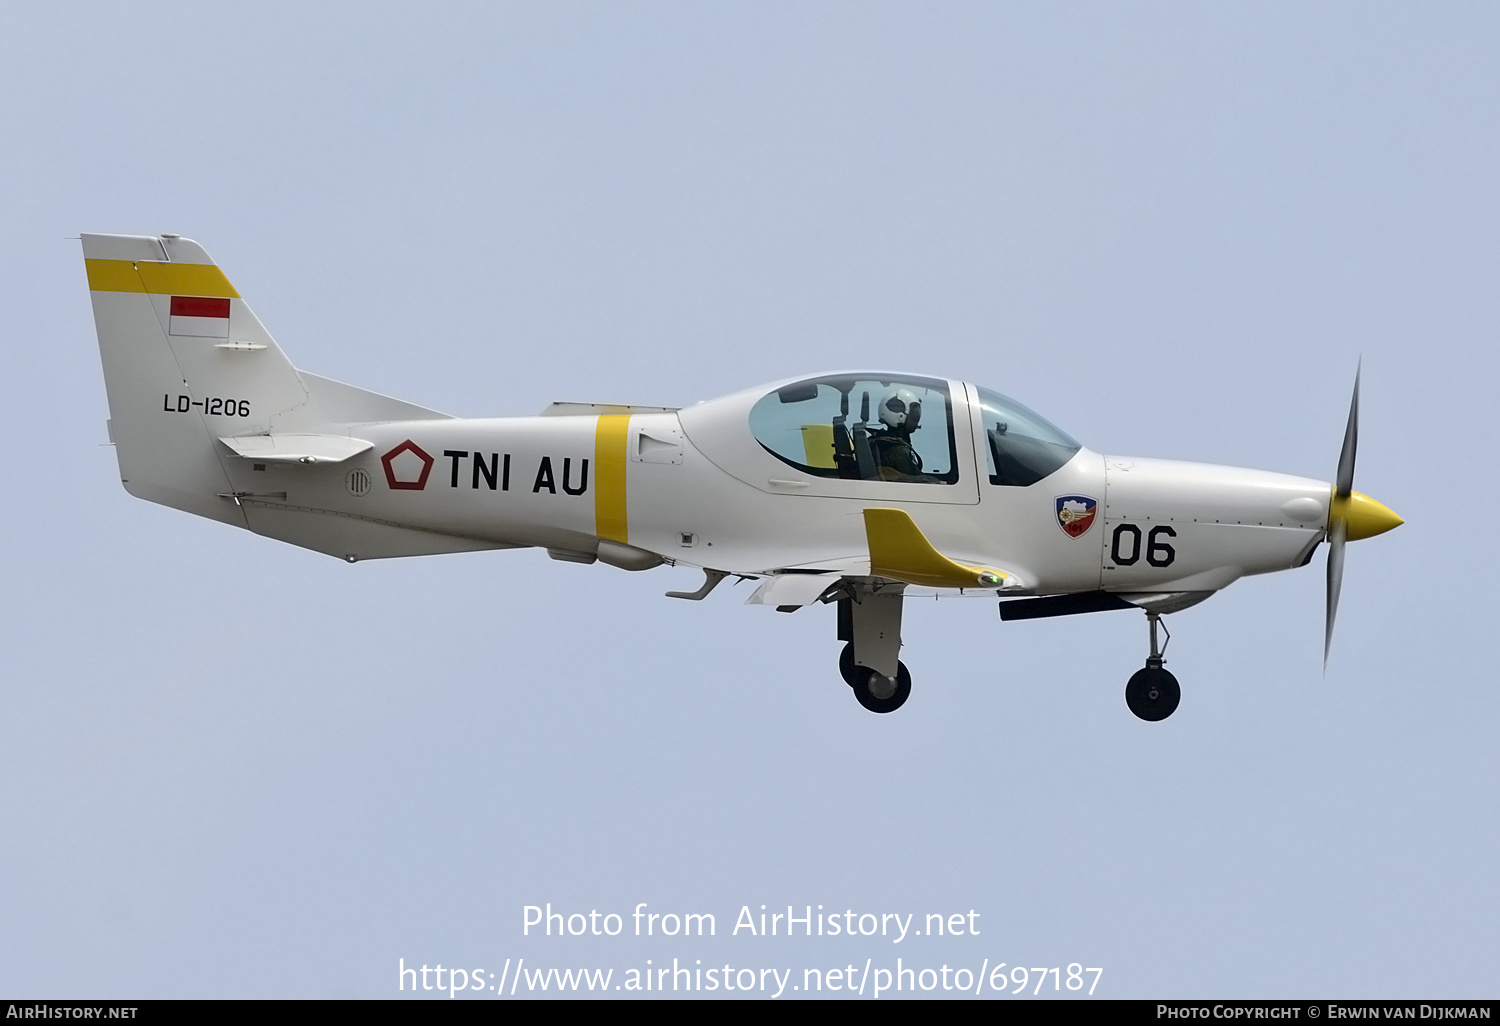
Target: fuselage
{"x": 702, "y": 486}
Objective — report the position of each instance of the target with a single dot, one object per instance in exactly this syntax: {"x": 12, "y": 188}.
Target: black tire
{"x": 883, "y": 705}
{"x": 847, "y": 669}
{"x": 1152, "y": 693}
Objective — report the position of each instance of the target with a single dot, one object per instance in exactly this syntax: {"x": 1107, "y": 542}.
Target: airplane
{"x": 855, "y": 489}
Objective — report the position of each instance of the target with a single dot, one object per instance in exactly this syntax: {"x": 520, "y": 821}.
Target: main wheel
{"x": 1152, "y": 693}
{"x": 868, "y": 683}
{"x": 847, "y": 669}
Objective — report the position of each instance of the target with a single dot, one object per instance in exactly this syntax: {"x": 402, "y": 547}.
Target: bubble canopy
{"x": 901, "y": 428}
{"x": 1021, "y": 447}
{"x": 861, "y": 427}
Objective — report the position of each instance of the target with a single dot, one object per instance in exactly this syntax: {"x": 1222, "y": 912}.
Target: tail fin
{"x": 185, "y": 363}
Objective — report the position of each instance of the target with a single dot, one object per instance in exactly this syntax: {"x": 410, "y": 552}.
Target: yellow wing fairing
{"x": 899, "y": 550}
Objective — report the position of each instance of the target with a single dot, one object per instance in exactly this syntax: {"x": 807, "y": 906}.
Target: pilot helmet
{"x": 901, "y": 409}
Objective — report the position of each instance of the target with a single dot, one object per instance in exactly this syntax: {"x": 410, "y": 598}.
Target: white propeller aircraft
{"x": 854, "y": 489}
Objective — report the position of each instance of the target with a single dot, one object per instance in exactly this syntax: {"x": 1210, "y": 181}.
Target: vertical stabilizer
{"x": 185, "y": 363}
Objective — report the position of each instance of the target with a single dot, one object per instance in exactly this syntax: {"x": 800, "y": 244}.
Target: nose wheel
{"x": 1153, "y": 693}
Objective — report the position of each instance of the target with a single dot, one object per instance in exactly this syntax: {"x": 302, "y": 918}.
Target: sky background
{"x": 233, "y": 768}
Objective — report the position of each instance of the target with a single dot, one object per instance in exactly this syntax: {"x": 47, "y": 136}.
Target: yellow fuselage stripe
{"x": 158, "y": 278}
{"x": 610, "y": 439}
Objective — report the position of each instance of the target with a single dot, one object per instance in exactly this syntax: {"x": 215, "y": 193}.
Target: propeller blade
{"x": 1337, "y": 536}
{"x": 1344, "y": 484}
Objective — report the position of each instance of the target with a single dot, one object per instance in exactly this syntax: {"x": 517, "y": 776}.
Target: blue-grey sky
{"x": 234, "y": 768}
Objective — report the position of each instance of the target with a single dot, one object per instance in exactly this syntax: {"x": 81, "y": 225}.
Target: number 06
{"x": 1128, "y": 537}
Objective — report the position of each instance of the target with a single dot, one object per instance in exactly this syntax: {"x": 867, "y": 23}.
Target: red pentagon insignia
{"x": 404, "y": 479}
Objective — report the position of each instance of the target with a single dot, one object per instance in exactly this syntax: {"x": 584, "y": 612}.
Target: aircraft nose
{"x": 1366, "y": 517}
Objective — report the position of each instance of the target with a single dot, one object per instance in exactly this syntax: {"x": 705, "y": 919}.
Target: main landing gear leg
{"x": 1152, "y": 693}
{"x": 870, "y": 621}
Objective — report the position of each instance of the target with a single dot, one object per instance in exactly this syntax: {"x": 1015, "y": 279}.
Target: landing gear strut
{"x": 870, "y": 621}
{"x": 1152, "y": 693}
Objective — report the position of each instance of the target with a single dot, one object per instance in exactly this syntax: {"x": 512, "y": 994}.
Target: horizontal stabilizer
{"x": 294, "y": 448}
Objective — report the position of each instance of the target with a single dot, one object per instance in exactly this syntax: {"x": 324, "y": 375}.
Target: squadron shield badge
{"x": 1075, "y": 514}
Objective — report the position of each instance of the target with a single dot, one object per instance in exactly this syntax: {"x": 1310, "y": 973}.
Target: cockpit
{"x": 860, "y": 428}
{"x": 902, "y": 429}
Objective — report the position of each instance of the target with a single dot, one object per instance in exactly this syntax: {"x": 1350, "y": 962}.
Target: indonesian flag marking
{"x": 193, "y": 315}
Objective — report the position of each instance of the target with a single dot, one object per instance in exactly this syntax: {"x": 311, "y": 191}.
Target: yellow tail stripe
{"x": 113, "y": 276}
{"x": 158, "y": 278}
{"x": 609, "y": 478}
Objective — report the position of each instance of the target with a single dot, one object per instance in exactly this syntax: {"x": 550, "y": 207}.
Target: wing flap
{"x": 792, "y": 591}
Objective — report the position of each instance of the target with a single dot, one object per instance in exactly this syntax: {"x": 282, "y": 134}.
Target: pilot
{"x": 895, "y": 458}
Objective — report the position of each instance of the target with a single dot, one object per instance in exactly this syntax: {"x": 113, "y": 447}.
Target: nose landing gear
{"x": 1152, "y": 693}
